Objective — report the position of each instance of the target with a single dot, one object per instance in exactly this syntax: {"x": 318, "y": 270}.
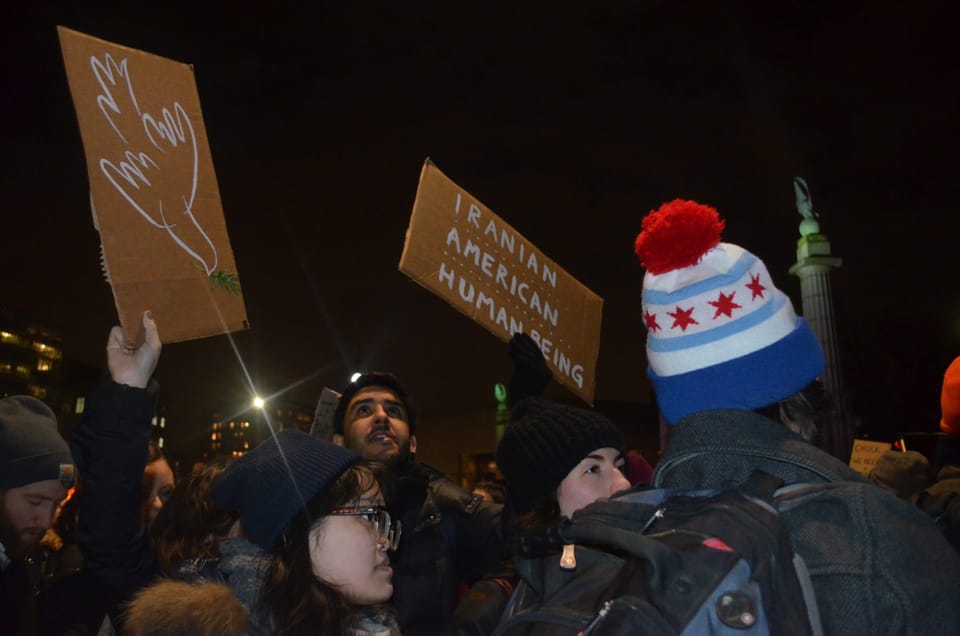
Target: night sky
{"x": 571, "y": 124}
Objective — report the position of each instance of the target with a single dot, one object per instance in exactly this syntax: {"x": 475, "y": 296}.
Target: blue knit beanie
{"x": 31, "y": 449}
{"x": 720, "y": 335}
{"x": 272, "y": 483}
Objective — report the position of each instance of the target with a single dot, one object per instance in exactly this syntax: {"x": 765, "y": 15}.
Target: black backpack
{"x": 665, "y": 562}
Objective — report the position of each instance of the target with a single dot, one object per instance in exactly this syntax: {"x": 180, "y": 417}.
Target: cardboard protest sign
{"x": 154, "y": 192}
{"x": 865, "y": 454}
{"x": 322, "y": 426}
{"x": 460, "y": 250}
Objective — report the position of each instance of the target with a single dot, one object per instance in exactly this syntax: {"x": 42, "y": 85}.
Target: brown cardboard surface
{"x": 461, "y": 251}
{"x": 153, "y": 189}
{"x": 865, "y": 455}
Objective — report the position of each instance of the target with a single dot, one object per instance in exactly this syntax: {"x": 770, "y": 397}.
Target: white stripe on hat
{"x": 736, "y": 339}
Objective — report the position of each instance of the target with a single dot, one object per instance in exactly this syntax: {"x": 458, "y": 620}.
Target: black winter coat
{"x": 450, "y": 538}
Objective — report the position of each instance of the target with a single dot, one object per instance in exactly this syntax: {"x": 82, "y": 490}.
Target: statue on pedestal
{"x": 804, "y": 200}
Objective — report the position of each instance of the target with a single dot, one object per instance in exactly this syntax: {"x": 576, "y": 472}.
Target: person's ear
{"x": 338, "y": 439}
{"x": 413, "y": 443}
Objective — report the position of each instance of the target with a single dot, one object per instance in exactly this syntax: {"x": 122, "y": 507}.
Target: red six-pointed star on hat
{"x": 755, "y": 286}
{"x": 682, "y": 318}
{"x": 724, "y": 305}
{"x": 651, "y": 321}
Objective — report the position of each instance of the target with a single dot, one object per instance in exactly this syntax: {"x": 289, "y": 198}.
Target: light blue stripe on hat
{"x": 754, "y": 318}
{"x": 733, "y": 276}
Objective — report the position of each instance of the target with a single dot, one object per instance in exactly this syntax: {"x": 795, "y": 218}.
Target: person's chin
{"x": 387, "y": 455}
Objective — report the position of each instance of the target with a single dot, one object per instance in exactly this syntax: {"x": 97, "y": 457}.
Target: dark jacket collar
{"x": 721, "y": 448}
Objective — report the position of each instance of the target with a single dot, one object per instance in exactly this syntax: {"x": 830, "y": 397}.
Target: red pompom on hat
{"x": 677, "y": 235}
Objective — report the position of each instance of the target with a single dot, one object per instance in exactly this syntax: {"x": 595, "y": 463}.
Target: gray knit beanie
{"x": 31, "y": 449}
{"x": 544, "y": 441}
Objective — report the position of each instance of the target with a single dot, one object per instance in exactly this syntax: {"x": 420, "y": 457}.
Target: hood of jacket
{"x": 175, "y": 607}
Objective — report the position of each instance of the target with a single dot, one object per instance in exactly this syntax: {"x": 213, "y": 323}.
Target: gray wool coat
{"x": 878, "y": 565}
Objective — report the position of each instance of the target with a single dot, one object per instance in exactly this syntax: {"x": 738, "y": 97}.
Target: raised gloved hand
{"x": 531, "y": 374}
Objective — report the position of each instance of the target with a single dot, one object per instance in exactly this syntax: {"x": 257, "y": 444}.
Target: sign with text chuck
{"x": 464, "y": 253}
{"x": 153, "y": 190}
{"x": 865, "y": 454}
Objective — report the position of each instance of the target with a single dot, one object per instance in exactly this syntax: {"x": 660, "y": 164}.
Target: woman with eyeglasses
{"x": 308, "y": 555}
{"x": 313, "y": 559}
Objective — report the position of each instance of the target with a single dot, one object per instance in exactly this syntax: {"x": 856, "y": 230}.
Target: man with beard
{"x": 450, "y": 537}
{"x": 36, "y": 469}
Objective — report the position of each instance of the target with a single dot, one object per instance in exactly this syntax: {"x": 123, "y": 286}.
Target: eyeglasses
{"x": 387, "y": 531}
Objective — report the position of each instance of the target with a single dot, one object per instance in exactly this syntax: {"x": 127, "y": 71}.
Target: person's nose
{"x": 619, "y": 483}
{"x": 44, "y": 517}
{"x": 380, "y": 415}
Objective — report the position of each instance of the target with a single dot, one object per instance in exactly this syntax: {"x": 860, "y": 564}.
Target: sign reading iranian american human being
{"x": 464, "y": 253}
{"x": 153, "y": 190}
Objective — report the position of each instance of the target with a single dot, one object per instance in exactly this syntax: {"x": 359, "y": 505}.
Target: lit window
{"x": 231, "y": 424}
{"x": 47, "y": 350}
{"x": 23, "y": 371}
{"x": 6, "y": 336}
{"x": 246, "y": 445}
{"x": 44, "y": 364}
{"x": 160, "y": 442}
{"x": 38, "y": 392}
{"x": 81, "y": 402}
{"x": 213, "y": 436}
{"x": 163, "y": 422}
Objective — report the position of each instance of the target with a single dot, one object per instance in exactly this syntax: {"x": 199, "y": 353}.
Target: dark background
{"x": 570, "y": 123}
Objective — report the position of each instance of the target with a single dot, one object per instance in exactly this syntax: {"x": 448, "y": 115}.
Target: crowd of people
{"x": 354, "y": 535}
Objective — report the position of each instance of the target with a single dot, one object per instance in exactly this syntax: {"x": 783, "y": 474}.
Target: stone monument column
{"x": 813, "y": 267}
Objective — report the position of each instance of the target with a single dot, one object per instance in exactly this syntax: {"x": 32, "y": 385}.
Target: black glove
{"x": 531, "y": 374}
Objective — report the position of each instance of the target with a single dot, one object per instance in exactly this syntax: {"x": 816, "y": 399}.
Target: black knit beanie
{"x": 31, "y": 449}
{"x": 375, "y": 378}
{"x": 272, "y": 483}
{"x": 544, "y": 441}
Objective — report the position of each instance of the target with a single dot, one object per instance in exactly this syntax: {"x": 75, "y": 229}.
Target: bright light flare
{"x": 258, "y": 402}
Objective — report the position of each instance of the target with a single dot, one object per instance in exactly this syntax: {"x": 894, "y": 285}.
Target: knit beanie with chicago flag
{"x": 720, "y": 335}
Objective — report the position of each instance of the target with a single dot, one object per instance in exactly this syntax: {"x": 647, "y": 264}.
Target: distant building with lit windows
{"x": 31, "y": 358}
{"x": 232, "y": 437}
{"x": 158, "y": 430}
{"x": 288, "y": 415}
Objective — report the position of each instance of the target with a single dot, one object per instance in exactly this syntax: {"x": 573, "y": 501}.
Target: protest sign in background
{"x": 460, "y": 250}
{"x": 153, "y": 190}
{"x": 865, "y": 455}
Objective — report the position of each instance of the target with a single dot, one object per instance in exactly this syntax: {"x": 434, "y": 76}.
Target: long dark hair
{"x": 292, "y": 595}
{"x": 184, "y": 526}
